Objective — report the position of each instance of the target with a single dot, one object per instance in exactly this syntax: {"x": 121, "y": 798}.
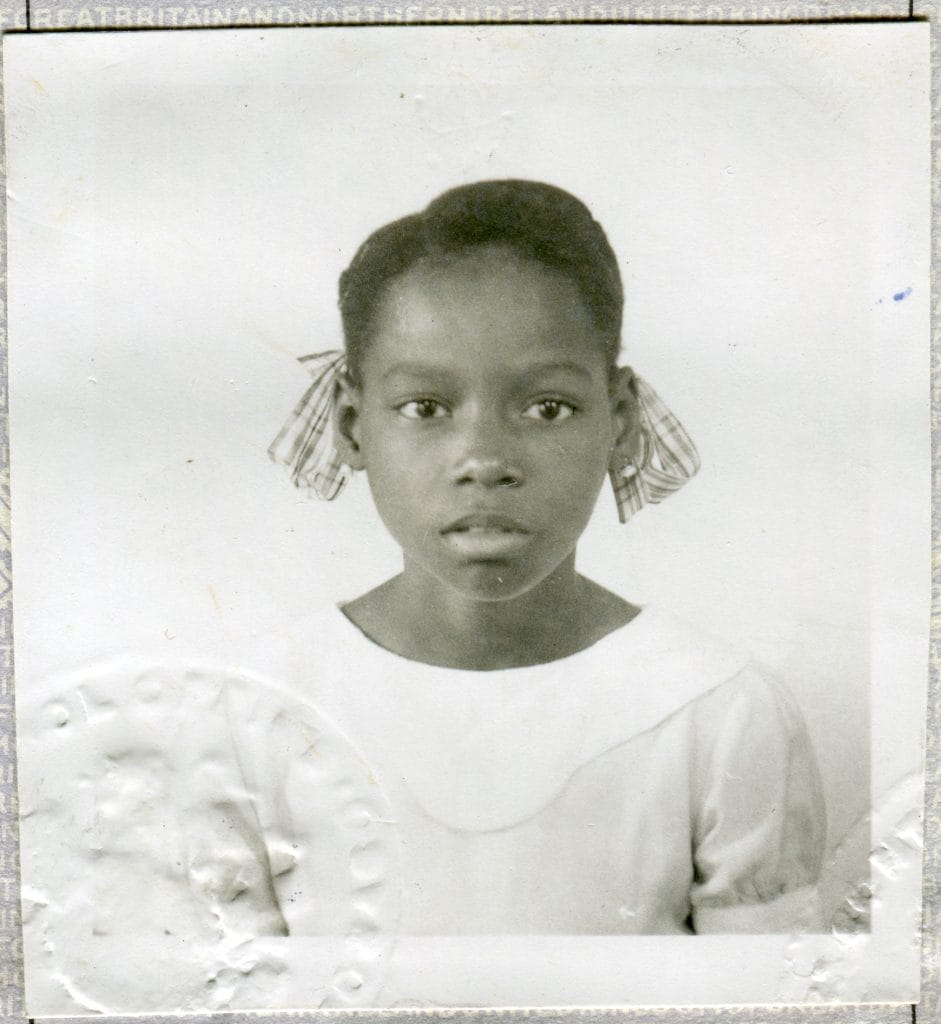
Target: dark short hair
{"x": 535, "y": 220}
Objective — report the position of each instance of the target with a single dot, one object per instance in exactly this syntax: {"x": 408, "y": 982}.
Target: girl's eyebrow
{"x": 565, "y": 365}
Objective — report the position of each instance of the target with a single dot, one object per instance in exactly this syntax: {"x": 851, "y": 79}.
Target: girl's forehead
{"x": 487, "y": 314}
{"x": 488, "y": 304}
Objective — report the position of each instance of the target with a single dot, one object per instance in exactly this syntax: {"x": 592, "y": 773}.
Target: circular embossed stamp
{"x": 197, "y": 838}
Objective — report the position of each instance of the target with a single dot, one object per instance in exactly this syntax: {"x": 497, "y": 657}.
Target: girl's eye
{"x": 550, "y": 410}
{"x": 422, "y": 409}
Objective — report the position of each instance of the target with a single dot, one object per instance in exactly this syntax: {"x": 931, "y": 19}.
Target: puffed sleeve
{"x": 759, "y": 819}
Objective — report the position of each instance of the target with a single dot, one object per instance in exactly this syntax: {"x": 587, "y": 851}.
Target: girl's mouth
{"x": 485, "y": 535}
{"x": 485, "y": 522}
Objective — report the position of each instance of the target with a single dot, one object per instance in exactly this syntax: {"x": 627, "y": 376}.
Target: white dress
{"x": 653, "y": 783}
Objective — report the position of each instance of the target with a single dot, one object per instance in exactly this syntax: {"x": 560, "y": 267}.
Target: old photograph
{"x": 471, "y": 514}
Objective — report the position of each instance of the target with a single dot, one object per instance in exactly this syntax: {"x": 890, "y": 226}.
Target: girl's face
{"x": 485, "y": 420}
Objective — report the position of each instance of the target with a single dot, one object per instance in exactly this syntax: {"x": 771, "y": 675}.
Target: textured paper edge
{"x": 132, "y": 14}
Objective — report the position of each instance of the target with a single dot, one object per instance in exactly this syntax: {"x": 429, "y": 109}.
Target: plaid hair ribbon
{"x": 667, "y": 459}
{"x": 306, "y": 443}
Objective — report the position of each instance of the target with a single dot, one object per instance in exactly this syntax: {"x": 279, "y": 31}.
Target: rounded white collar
{"x": 482, "y": 751}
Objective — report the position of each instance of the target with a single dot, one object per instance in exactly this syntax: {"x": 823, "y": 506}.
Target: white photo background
{"x": 183, "y": 204}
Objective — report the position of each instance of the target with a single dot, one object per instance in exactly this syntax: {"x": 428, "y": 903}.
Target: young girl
{"x": 555, "y": 758}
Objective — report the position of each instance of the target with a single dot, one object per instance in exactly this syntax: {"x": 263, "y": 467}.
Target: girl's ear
{"x": 625, "y": 408}
{"x": 346, "y": 422}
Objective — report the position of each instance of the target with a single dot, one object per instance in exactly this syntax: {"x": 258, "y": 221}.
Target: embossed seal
{"x": 196, "y": 838}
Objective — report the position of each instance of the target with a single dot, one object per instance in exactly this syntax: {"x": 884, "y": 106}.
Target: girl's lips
{"x": 485, "y": 521}
{"x": 485, "y": 535}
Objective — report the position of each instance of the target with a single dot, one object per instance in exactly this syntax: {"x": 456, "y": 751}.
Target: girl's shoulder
{"x": 716, "y": 686}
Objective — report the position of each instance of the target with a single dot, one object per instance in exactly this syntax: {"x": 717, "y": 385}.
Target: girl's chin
{"x": 487, "y": 579}
{"x": 492, "y": 582}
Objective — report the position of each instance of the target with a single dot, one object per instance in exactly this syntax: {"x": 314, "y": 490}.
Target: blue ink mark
{"x": 898, "y": 296}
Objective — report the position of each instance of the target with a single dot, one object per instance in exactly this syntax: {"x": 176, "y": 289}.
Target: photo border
{"x": 139, "y": 15}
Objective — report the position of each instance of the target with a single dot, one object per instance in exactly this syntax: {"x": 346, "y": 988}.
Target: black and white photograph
{"x": 470, "y": 513}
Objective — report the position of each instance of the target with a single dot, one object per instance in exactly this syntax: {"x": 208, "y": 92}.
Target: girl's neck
{"x": 418, "y": 618}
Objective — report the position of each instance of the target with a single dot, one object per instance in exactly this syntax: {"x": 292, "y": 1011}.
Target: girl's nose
{"x": 485, "y": 453}
{"x": 487, "y": 471}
